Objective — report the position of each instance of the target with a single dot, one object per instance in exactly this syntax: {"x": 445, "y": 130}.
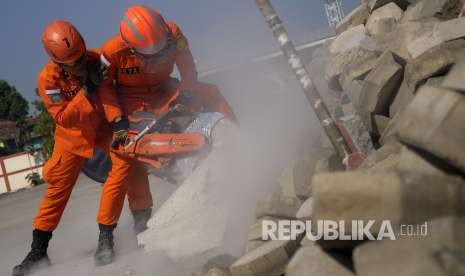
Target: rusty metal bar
{"x": 321, "y": 110}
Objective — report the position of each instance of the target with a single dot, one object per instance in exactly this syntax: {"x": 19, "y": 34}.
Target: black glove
{"x": 97, "y": 72}
{"x": 184, "y": 99}
{"x": 120, "y": 128}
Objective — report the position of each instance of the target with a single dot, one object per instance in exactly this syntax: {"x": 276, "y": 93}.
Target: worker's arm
{"x": 107, "y": 91}
{"x": 65, "y": 113}
{"x": 184, "y": 60}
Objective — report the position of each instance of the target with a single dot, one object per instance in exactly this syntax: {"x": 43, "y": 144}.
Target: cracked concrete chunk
{"x": 279, "y": 206}
{"x": 384, "y": 20}
{"x": 356, "y": 17}
{"x": 433, "y": 121}
{"x": 312, "y": 260}
{"x": 436, "y": 61}
{"x": 270, "y": 259}
{"x": 401, "y": 198}
{"x": 438, "y": 253}
{"x": 380, "y": 85}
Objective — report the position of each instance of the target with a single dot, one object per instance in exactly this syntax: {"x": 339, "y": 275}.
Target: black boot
{"x": 141, "y": 217}
{"x": 37, "y": 257}
{"x": 105, "y": 253}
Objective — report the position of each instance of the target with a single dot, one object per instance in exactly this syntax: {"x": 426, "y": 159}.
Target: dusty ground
{"x": 71, "y": 249}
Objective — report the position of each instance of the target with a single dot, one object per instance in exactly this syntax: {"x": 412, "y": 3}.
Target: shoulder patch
{"x": 181, "y": 43}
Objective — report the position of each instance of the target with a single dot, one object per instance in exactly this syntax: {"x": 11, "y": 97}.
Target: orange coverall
{"x": 79, "y": 127}
{"x": 141, "y": 84}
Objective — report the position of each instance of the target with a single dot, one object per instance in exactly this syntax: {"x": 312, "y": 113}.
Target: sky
{"x": 220, "y": 32}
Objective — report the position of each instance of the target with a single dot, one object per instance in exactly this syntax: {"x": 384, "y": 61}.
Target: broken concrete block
{"x": 357, "y": 70}
{"x": 307, "y": 242}
{"x": 312, "y": 260}
{"x": 348, "y": 109}
{"x": 188, "y": 208}
{"x": 389, "y": 134}
{"x": 357, "y": 16}
{"x": 270, "y": 259}
{"x": 433, "y": 121}
{"x": 354, "y": 90}
{"x": 354, "y": 126}
{"x": 295, "y": 179}
{"x": 252, "y": 245}
{"x": 218, "y": 272}
{"x": 384, "y": 19}
{"x": 305, "y": 211}
{"x": 220, "y": 262}
{"x": 399, "y": 197}
{"x": 382, "y": 153}
{"x": 279, "y": 206}
{"x": 381, "y": 85}
{"x": 351, "y": 45}
{"x": 404, "y": 96}
{"x": 353, "y": 38}
{"x": 375, "y": 4}
{"x": 438, "y": 253}
{"x": 411, "y": 161}
{"x": 456, "y": 76}
{"x": 440, "y": 33}
{"x": 429, "y": 8}
{"x": 390, "y": 163}
{"x": 379, "y": 124}
{"x": 435, "y": 82}
{"x": 255, "y": 230}
{"x": 436, "y": 61}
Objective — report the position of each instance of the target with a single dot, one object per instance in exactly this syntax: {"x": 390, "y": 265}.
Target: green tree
{"x": 13, "y": 106}
{"x": 45, "y": 127}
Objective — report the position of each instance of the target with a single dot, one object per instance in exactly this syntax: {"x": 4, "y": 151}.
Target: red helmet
{"x": 62, "y": 42}
{"x": 144, "y": 30}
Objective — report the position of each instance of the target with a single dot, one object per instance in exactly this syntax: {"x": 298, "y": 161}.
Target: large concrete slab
{"x": 401, "y": 198}
{"x": 435, "y": 61}
{"x": 438, "y": 253}
{"x": 433, "y": 121}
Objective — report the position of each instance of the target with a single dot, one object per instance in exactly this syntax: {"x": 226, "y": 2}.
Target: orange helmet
{"x": 144, "y": 30}
{"x": 62, "y": 42}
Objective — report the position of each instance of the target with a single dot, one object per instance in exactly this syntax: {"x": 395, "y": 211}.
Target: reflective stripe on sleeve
{"x": 52, "y": 91}
{"x": 104, "y": 60}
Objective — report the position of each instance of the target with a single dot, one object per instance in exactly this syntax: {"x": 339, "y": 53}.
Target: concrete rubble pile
{"x": 400, "y": 66}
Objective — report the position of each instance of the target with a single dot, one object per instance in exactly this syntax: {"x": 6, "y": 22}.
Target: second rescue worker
{"x": 140, "y": 61}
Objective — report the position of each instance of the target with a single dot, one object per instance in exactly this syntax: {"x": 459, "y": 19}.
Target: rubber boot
{"x": 105, "y": 252}
{"x": 36, "y": 258}
{"x": 141, "y": 217}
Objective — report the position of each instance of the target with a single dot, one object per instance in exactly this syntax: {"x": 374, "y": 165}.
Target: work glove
{"x": 120, "y": 128}
{"x": 184, "y": 99}
{"x": 97, "y": 72}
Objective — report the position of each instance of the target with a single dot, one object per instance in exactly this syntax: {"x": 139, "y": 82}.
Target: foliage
{"x": 13, "y": 106}
{"x": 45, "y": 127}
{"x": 34, "y": 179}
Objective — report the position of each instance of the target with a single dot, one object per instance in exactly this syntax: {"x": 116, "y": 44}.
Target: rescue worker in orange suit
{"x": 140, "y": 61}
{"x": 68, "y": 87}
